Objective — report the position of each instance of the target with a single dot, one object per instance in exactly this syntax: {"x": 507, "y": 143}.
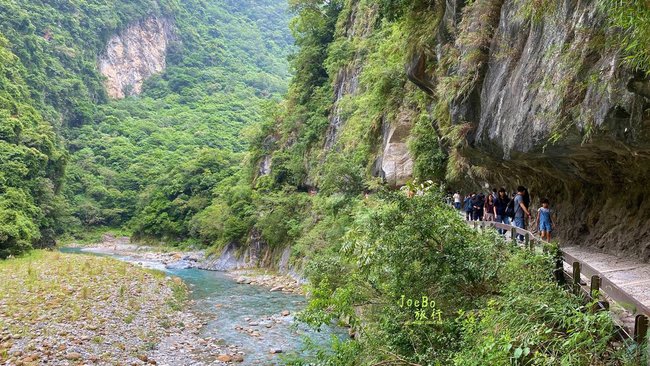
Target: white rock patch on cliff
{"x": 133, "y": 55}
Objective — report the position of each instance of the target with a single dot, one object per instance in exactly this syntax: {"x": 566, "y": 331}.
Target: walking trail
{"x": 631, "y": 275}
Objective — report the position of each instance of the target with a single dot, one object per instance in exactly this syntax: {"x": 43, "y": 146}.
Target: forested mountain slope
{"x": 551, "y": 94}
{"x": 155, "y": 155}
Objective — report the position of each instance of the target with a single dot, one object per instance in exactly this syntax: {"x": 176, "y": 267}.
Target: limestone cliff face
{"x": 134, "y": 54}
{"x": 518, "y": 94}
{"x": 394, "y": 163}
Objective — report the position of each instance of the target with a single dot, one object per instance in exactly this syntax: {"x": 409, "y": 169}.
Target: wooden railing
{"x": 599, "y": 290}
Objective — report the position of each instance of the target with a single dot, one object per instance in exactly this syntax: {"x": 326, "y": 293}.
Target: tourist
{"x": 521, "y": 211}
{"x": 457, "y": 200}
{"x": 489, "y": 208}
{"x": 477, "y": 207}
{"x": 500, "y": 204}
{"x": 526, "y": 201}
{"x": 495, "y": 195}
{"x": 468, "y": 206}
{"x": 544, "y": 221}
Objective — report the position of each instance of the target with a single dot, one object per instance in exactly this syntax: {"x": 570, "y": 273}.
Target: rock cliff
{"x": 134, "y": 54}
{"x": 513, "y": 92}
{"x": 551, "y": 105}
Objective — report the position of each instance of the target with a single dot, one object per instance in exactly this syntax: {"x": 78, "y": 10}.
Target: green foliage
{"x": 151, "y": 163}
{"x": 31, "y": 163}
{"x": 536, "y": 10}
{"x": 313, "y": 29}
{"x": 534, "y": 322}
{"x": 499, "y": 305}
{"x": 280, "y": 216}
{"x": 631, "y": 19}
{"x": 396, "y": 247}
{"x": 229, "y": 217}
{"x": 58, "y": 43}
{"x": 430, "y": 161}
{"x": 335, "y": 147}
{"x": 147, "y": 163}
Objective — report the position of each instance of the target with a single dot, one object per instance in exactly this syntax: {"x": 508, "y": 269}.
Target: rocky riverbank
{"x": 272, "y": 281}
{"x": 152, "y": 256}
{"x": 165, "y": 256}
{"x": 59, "y": 309}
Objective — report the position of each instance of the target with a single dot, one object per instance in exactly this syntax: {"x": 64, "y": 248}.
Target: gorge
{"x": 278, "y": 135}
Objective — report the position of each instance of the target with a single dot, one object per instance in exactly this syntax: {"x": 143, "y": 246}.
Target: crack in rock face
{"x": 134, "y": 54}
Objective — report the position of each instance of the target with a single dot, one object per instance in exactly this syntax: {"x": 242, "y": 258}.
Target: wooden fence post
{"x": 527, "y": 241}
{"x": 513, "y": 234}
{"x": 576, "y": 278}
{"x": 595, "y": 286}
{"x": 640, "y": 329}
{"x": 594, "y": 289}
{"x": 559, "y": 271}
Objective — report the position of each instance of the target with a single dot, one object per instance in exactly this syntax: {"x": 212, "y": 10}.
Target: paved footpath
{"x": 630, "y": 275}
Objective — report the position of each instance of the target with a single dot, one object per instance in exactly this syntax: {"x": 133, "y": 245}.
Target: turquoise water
{"x": 228, "y": 305}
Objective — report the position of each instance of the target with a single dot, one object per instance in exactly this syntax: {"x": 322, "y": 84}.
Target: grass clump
{"x": 71, "y": 295}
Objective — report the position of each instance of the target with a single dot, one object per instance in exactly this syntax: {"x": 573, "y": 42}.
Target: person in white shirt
{"x": 457, "y": 200}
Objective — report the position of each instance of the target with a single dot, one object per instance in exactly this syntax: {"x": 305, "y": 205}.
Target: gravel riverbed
{"x": 62, "y": 309}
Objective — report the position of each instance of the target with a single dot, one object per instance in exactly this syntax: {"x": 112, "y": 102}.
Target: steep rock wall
{"x": 256, "y": 253}
{"x": 550, "y": 105}
{"x": 134, "y": 54}
{"x": 394, "y": 163}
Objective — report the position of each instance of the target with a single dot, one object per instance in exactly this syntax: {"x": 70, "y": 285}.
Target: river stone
{"x": 73, "y": 356}
{"x": 285, "y": 313}
{"x": 224, "y": 358}
{"x": 30, "y": 358}
{"x": 275, "y": 350}
{"x": 277, "y": 288}
{"x": 237, "y": 358}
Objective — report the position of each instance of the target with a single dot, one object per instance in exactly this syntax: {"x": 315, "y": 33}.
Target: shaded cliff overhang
{"x": 543, "y": 98}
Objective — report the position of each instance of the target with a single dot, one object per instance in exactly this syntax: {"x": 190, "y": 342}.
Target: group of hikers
{"x": 499, "y": 206}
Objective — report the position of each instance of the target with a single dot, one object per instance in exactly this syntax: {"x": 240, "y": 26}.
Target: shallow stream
{"x": 228, "y": 305}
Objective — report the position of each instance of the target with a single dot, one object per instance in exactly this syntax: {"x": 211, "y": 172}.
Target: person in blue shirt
{"x": 544, "y": 221}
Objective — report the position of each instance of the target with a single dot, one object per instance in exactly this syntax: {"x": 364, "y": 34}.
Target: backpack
{"x": 510, "y": 209}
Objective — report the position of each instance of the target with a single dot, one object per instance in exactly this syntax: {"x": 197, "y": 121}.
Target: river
{"x": 228, "y": 305}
